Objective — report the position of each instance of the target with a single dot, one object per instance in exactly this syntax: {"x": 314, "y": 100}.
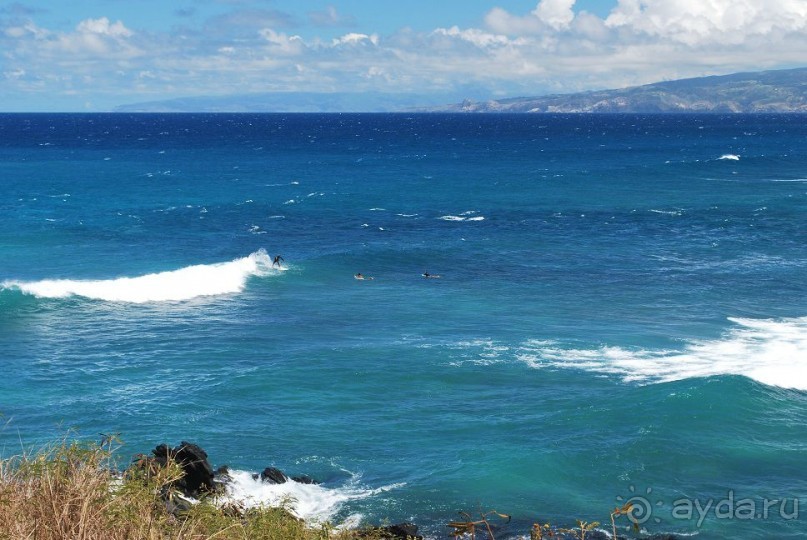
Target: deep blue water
{"x": 621, "y": 309}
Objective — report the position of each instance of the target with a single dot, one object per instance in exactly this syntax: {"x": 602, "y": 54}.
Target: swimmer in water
{"x": 430, "y": 276}
{"x": 361, "y": 276}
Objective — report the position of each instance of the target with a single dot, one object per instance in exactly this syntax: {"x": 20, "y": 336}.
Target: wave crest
{"x": 772, "y": 352}
{"x": 171, "y": 286}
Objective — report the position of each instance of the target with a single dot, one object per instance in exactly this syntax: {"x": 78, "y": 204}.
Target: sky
{"x": 93, "y": 55}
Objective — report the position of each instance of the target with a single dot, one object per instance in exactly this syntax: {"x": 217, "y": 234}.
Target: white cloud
{"x": 474, "y": 36}
{"x": 548, "y": 15}
{"x": 26, "y": 30}
{"x": 356, "y": 39}
{"x": 93, "y": 38}
{"x": 15, "y": 74}
{"x": 103, "y": 27}
{"x": 282, "y": 43}
{"x": 699, "y": 22}
{"x": 500, "y": 20}
{"x": 552, "y": 48}
{"x": 556, "y": 13}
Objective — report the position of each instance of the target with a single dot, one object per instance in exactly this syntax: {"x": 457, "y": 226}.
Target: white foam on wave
{"x": 667, "y": 212}
{"x": 468, "y": 215}
{"x": 731, "y": 157}
{"x": 770, "y": 351}
{"x": 465, "y": 216}
{"x": 312, "y": 502}
{"x": 176, "y": 285}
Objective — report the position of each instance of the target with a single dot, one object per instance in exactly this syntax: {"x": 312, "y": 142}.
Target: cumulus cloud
{"x": 695, "y": 22}
{"x": 555, "y": 47}
{"x": 547, "y": 15}
{"x": 354, "y": 38}
{"x": 281, "y": 43}
{"x": 474, "y": 36}
{"x": 96, "y": 37}
{"x": 556, "y": 13}
{"x": 103, "y": 27}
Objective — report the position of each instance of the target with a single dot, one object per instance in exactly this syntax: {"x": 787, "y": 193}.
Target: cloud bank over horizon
{"x": 253, "y": 46}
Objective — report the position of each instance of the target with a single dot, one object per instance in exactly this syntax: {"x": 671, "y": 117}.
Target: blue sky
{"x": 95, "y": 54}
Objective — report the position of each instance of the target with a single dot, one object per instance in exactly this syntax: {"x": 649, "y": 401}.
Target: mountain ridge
{"x": 774, "y": 91}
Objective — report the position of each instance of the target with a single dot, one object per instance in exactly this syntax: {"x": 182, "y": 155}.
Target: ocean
{"x": 620, "y": 312}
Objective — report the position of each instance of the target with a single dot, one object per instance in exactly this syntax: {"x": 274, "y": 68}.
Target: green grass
{"x": 70, "y": 491}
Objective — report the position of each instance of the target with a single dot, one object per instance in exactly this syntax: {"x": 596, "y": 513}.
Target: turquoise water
{"x": 620, "y": 310}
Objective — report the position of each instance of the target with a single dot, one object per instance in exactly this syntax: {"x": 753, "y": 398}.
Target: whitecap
{"x": 770, "y": 351}
{"x": 170, "y": 286}
{"x": 732, "y": 157}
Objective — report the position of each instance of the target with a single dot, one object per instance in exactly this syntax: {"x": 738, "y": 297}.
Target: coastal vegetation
{"x": 75, "y": 490}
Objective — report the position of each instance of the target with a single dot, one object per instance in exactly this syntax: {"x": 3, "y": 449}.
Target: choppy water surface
{"x": 620, "y": 308}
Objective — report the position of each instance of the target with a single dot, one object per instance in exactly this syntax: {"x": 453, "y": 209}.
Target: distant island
{"x": 778, "y": 91}
{"x": 293, "y": 102}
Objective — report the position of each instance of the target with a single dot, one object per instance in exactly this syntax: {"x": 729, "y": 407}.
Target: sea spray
{"x": 770, "y": 351}
{"x": 170, "y": 286}
{"x": 313, "y": 502}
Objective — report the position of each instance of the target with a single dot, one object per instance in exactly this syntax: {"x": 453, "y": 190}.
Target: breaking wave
{"x": 312, "y": 502}
{"x": 770, "y": 351}
{"x": 175, "y": 285}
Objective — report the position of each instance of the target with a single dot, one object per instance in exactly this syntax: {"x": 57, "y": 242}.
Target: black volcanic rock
{"x": 272, "y": 475}
{"x": 399, "y": 531}
{"x": 304, "y": 479}
{"x": 198, "y": 477}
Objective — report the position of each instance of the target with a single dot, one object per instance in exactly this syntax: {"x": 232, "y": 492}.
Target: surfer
{"x": 277, "y": 260}
{"x": 430, "y": 276}
{"x": 360, "y": 276}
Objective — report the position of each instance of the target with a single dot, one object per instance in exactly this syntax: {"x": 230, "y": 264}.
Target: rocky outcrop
{"x": 399, "y": 531}
{"x": 198, "y": 474}
{"x": 198, "y": 477}
{"x": 272, "y": 475}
